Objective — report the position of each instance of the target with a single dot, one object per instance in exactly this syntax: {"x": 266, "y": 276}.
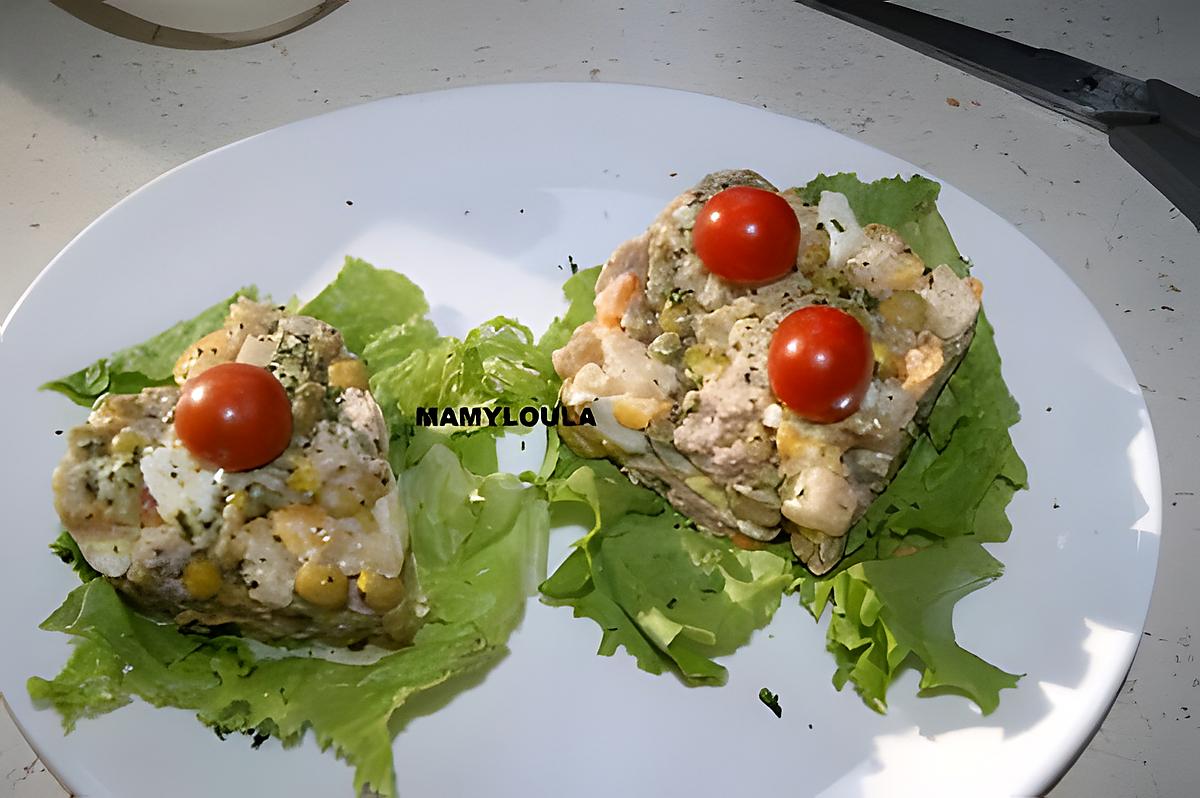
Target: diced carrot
{"x": 746, "y": 542}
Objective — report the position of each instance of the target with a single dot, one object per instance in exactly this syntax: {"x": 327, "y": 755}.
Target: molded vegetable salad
{"x": 760, "y": 359}
{"x": 795, "y": 393}
{"x": 258, "y": 492}
{"x": 829, "y": 404}
{"x": 254, "y": 476}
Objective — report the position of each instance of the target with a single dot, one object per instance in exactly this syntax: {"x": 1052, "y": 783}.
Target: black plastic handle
{"x": 1167, "y": 152}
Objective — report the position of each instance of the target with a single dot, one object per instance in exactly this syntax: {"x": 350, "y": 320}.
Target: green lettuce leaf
{"x": 394, "y": 344}
{"x": 479, "y": 547}
{"x": 909, "y": 206}
{"x": 916, "y": 550}
{"x": 66, "y": 549}
{"x": 496, "y": 365}
{"x": 478, "y": 540}
{"x": 348, "y": 707}
{"x": 960, "y": 473}
{"x": 885, "y": 612}
{"x": 92, "y": 683}
{"x": 146, "y": 364}
{"x": 672, "y": 597}
{"x": 580, "y": 292}
{"x": 383, "y": 318}
{"x": 363, "y": 301}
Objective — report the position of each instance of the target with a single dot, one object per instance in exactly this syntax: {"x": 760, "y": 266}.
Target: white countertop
{"x": 86, "y": 118}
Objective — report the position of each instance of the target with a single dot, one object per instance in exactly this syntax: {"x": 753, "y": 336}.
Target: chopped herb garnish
{"x": 771, "y": 700}
{"x": 677, "y": 294}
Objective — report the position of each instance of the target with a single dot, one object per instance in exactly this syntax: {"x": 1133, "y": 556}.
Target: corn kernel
{"x": 348, "y": 373}
{"x": 906, "y": 272}
{"x": 342, "y": 501}
{"x": 322, "y": 585}
{"x": 633, "y": 413}
{"x": 904, "y": 309}
{"x": 881, "y": 351}
{"x": 302, "y": 528}
{"x": 380, "y": 593}
{"x": 304, "y": 478}
{"x": 128, "y": 441}
{"x": 797, "y": 449}
{"x": 201, "y": 579}
{"x": 788, "y": 440}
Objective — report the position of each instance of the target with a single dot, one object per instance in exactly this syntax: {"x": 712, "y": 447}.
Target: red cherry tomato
{"x": 234, "y": 416}
{"x": 747, "y": 235}
{"x": 820, "y": 363}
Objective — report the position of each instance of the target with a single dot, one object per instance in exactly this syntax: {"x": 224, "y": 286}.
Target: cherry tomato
{"x": 234, "y": 416}
{"x": 820, "y": 363}
{"x": 747, "y": 235}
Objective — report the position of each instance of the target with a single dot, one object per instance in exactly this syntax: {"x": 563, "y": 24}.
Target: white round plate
{"x": 480, "y": 195}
